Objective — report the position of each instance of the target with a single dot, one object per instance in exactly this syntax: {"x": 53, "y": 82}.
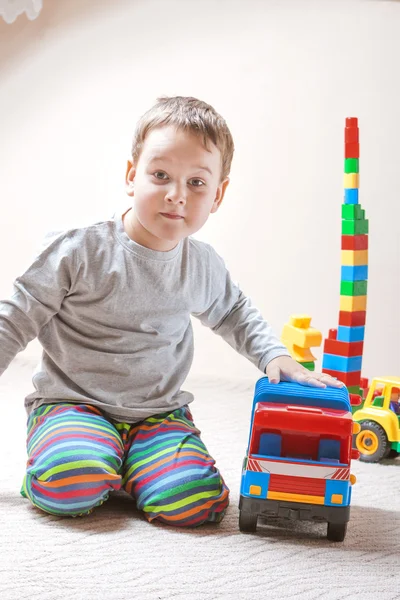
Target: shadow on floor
{"x": 369, "y": 529}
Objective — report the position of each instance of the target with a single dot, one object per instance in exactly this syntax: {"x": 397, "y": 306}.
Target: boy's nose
{"x": 176, "y": 194}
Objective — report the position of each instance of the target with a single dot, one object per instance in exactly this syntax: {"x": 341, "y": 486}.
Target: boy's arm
{"x": 230, "y": 314}
{"x": 243, "y": 328}
{"x": 38, "y": 295}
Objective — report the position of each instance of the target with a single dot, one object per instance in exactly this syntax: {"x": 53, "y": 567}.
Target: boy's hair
{"x": 188, "y": 114}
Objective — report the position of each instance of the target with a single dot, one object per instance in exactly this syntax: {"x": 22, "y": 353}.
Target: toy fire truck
{"x": 298, "y": 458}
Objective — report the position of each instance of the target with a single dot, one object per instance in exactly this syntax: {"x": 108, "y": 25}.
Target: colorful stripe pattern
{"x": 77, "y": 456}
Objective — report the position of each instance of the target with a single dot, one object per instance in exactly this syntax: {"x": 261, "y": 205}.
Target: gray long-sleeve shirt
{"x": 113, "y": 318}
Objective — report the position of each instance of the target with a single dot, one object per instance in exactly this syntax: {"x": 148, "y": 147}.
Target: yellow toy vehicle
{"x": 379, "y": 419}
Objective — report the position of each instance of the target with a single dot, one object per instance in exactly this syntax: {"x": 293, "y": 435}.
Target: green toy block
{"x": 351, "y": 165}
{"x": 352, "y": 212}
{"x": 309, "y": 365}
{"x": 358, "y": 227}
{"x": 355, "y": 389}
{"x": 353, "y": 288}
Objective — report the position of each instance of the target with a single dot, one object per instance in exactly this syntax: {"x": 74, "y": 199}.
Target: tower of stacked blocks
{"x": 343, "y": 350}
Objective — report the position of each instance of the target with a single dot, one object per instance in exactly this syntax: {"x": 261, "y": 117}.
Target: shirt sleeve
{"x": 231, "y": 314}
{"x": 37, "y": 296}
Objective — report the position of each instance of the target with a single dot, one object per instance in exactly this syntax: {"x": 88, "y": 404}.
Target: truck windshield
{"x": 316, "y": 448}
{"x": 302, "y": 433}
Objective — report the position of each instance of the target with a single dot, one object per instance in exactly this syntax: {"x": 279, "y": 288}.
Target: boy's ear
{"x": 128, "y": 168}
{"x": 221, "y": 189}
{"x": 129, "y": 177}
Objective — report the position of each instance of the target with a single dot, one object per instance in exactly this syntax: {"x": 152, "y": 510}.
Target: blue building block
{"x": 355, "y": 273}
{"x": 345, "y": 364}
{"x": 351, "y": 196}
{"x": 350, "y": 334}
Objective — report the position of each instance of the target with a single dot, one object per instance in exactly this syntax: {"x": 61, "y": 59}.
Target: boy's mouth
{"x": 171, "y": 215}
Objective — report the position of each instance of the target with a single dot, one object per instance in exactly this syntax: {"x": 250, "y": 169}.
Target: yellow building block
{"x": 351, "y": 180}
{"x": 298, "y": 337}
{"x": 302, "y": 321}
{"x": 302, "y": 337}
{"x": 354, "y": 258}
{"x": 297, "y": 353}
{"x": 352, "y": 303}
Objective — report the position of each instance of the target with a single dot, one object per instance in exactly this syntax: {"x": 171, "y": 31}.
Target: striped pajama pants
{"x": 76, "y": 456}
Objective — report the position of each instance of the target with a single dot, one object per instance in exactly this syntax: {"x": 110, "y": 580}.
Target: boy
{"x": 111, "y": 306}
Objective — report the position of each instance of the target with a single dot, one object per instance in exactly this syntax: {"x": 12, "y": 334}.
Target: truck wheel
{"x": 247, "y": 522}
{"x": 372, "y": 442}
{"x": 336, "y": 532}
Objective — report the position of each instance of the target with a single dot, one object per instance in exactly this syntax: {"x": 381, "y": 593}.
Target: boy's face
{"x": 175, "y": 186}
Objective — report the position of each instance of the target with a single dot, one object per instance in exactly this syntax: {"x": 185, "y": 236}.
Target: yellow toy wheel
{"x": 372, "y": 442}
{"x": 367, "y": 442}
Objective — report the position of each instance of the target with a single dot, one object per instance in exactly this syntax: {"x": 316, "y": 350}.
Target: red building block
{"x": 343, "y": 348}
{"x": 355, "y": 242}
{"x": 364, "y": 383}
{"x": 355, "y": 318}
{"x": 351, "y": 135}
{"x": 355, "y": 399}
{"x": 332, "y": 335}
{"x": 349, "y": 379}
{"x": 352, "y": 150}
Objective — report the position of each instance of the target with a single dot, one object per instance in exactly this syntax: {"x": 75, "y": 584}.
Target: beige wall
{"x": 285, "y": 74}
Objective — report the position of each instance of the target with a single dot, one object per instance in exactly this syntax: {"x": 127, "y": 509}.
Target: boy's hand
{"x": 285, "y": 368}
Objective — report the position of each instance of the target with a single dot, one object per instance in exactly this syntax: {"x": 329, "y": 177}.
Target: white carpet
{"x": 116, "y": 554}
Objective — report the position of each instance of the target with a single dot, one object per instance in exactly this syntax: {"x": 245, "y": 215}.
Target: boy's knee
{"x": 188, "y": 504}
{"x": 69, "y": 486}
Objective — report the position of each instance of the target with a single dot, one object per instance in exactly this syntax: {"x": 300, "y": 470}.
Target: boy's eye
{"x": 160, "y": 175}
{"x": 196, "y": 182}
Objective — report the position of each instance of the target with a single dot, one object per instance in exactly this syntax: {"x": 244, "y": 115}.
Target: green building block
{"x": 351, "y": 165}
{"x": 309, "y": 365}
{"x": 352, "y": 212}
{"x": 354, "y": 389}
{"x": 356, "y": 408}
{"x": 358, "y": 227}
{"x": 353, "y": 288}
